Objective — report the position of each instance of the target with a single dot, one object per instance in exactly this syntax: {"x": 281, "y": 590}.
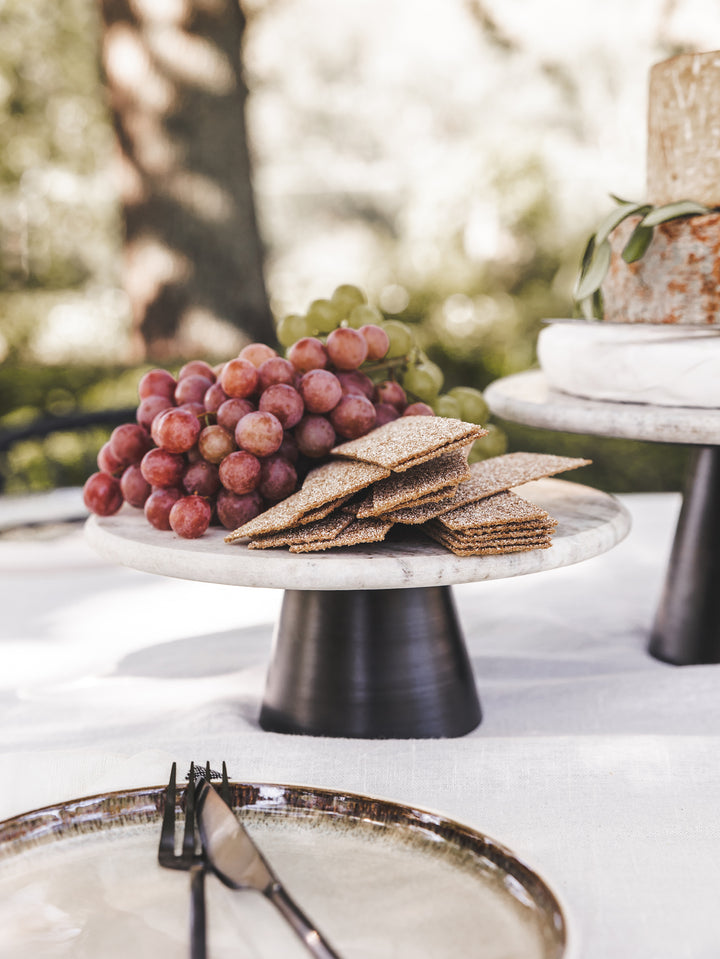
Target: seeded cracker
{"x": 410, "y": 440}
{"x": 420, "y": 483}
{"x": 359, "y": 531}
{"x": 507, "y": 507}
{"x": 324, "y": 529}
{"x": 323, "y": 486}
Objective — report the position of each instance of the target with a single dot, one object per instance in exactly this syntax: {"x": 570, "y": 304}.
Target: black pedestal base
{"x": 371, "y": 664}
{"x": 687, "y": 623}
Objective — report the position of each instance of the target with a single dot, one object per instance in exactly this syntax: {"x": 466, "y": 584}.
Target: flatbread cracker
{"x": 507, "y": 507}
{"x": 420, "y": 484}
{"x": 409, "y": 440}
{"x": 324, "y": 529}
{"x": 359, "y": 531}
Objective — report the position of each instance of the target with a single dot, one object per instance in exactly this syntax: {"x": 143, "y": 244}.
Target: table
{"x": 595, "y": 762}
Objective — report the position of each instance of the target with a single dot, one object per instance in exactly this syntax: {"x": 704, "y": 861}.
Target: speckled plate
{"x": 382, "y": 880}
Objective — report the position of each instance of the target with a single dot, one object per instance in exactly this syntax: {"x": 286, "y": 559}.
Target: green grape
{"x": 447, "y": 405}
{"x": 401, "y": 339}
{"x": 363, "y": 315}
{"x": 473, "y": 408}
{"x": 291, "y": 329}
{"x": 421, "y": 380}
{"x": 323, "y": 316}
{"x": 346, "y": 297}
{"x": 494, "y": 444}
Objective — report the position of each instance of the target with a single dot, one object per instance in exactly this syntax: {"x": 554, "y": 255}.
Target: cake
{"x": 658, "y": 337}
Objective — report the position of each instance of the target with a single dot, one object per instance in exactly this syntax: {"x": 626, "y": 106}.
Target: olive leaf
{"x": 598, "y": 263}
{"x": 670, "y": 211}
{"x": 638, "y": 242}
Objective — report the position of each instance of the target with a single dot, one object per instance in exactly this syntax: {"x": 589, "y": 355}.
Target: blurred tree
{"x": 193, "y": 253}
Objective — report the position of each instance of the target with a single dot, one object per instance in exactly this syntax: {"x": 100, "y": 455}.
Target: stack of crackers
{"x": 412, "y": 471}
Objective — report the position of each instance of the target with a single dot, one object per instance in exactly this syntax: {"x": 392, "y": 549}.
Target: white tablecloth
{"x": 594, "y": 763}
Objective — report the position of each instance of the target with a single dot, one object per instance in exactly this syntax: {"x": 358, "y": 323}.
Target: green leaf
{"x": 639, "y": 241}
{"x": 617, "y": 216}
{"x": 595, "y": 272}
{"x": 661, "y": 214}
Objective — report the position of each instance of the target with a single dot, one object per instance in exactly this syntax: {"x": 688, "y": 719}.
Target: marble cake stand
{"x": 686, "y": 629}
{"x": 368, "y": 643}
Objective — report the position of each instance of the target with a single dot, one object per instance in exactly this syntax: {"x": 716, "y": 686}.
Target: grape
{"x": 401, "y": 339}
{"x": 362, "y": 315}
{"x": 197, "y": 368}
{"x": 353, "y": 381}
{"x": 315, "y": 436}
{"x": 320, "y": 390}
{"x": 256, "y": 353}
{"x": 149, "y": 408}
{"x": 347, "y": 348}
{"x": 378, "y": 342}
{"x": 192, "y": 388}
{"x": 284, "y": 402}
{"x": 190, "y": 516}
{"x": 161, "y": 468}
{"x": 308, "y": 354}
{"x": 129, "y": 443}
{"x": 447, "y": 405}
{"x": 135, "y": 488}
{"x": 384, "y": 413}
{"x": 289, "y": 448}
{"x": 473, "y": 408}
{"x": 346, "y": 297}
{"x": 278, "y": 478}
{"x": 102, "y": 494}
{"x": 422, "y": 381}
{"x": 158, "y": 506}
{"x": 215, "y": 443}
{"x": 202, "y": 478}
{"x": 322, "y": 316}
{"x": 107, "y": 461}
{"x": 418, "y": 409}
{"x": 175, "y": 430}
{"x": 197, "y": 409}
{"x": 259, "y": 433}
{"x": 231, "y": 412}
{"x": 234, "y": 510}
{"x": 157, "y": 383}
{"x": 291, "y": 328}
{"x": 390, "y": 391}
{"x": 240, "y": 472}
{"x": 239, "y": 378}
{"x": 275, "y": 370}
{"x": 353, "y": 416}
{"x": 214, "y": 398}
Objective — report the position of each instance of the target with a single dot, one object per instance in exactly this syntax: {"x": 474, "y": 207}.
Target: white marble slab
{"x": 589, "y": 523}
{"x": 527, "y": 398}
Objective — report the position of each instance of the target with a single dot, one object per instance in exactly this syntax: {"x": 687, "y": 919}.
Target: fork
{"x": 188, "y": 858}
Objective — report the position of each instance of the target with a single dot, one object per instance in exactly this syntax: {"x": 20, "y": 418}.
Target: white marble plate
{"x": 381, "y": 880}
{"x": 589, "y": 523}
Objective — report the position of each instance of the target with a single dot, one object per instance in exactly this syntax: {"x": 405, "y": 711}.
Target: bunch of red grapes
{"x": 222, "y": 444}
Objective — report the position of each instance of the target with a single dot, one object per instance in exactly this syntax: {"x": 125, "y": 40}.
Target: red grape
{"x": 257, "y": 353}
{"x": 278, "y": 478}
{"x": 176, "y": 430}
{"x": 161, "y": 468}
{"x": 157, "y": 383}
{"x": 201, "y": 478}
{"x": 214, "y": 398}
{"x": 275, "y": 370}
{"x": 158, "y": 506}
{"x": 390, "y": 391}
{"x": 284, "y": 402}
{"x": 239, "y": 378}
{"x": 347, "y": 348}
{"x": 314, "y": 436}
{"x": 215, "y": 443}
{"x": 384, "y": 413}
{"x": 378, "y": 342}
{"x": 418, "y": 409}
{"x": 353, "y": 381}
{"x": 353, "y": 416}
{"x": 190, "y": 516}
{"x": 240, "y": 472}
{"x": 289, "y": 448}
{"x": 149, "y": 408}
{"x": 135, "y": 488}
{"x": 129, "y": 443}
{"x": 308, "y": 354}
{"x": 102, "y": 494}
{"x": 232, "y": 411}
{"x": 107, "y": 461}
{"x": 234, "y": 510}
{"x": 259, "y": 433}
{"x": 320, "y": 390}
{"x": 197, "y": 368}
{"x": 197, "y": 409}
{"x": 192, "y": 388}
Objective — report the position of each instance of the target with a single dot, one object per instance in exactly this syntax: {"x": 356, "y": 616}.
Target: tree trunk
{"x": 193, "y": 253}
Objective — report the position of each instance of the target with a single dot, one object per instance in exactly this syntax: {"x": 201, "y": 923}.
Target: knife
{"x": 236, "y": 861}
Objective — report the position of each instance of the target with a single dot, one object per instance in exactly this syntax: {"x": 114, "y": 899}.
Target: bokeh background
{"x": 174, "y": 174}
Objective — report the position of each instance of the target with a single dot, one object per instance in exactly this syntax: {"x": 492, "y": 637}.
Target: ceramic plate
{"x": 381, "y": 880}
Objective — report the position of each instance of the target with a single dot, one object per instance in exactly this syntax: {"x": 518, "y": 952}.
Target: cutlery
{"x": 236, "y": 861}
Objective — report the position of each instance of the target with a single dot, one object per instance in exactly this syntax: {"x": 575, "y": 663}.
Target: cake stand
{"x": 368, "y": 643}
{"x": 686, "y": 630}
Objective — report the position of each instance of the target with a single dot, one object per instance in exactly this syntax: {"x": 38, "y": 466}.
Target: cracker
{"x": 501, "y": 507}
{"x": 422, "y": 483}
{"x": 320, "y": 530}
{"x": 359, "y": 531}
{"x": 409, "y": 440}
{"x": 322, "y": 491}
{"x": 489, "y": 547}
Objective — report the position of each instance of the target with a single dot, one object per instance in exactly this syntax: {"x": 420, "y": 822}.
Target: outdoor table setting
{"x": 563, "y": 824}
